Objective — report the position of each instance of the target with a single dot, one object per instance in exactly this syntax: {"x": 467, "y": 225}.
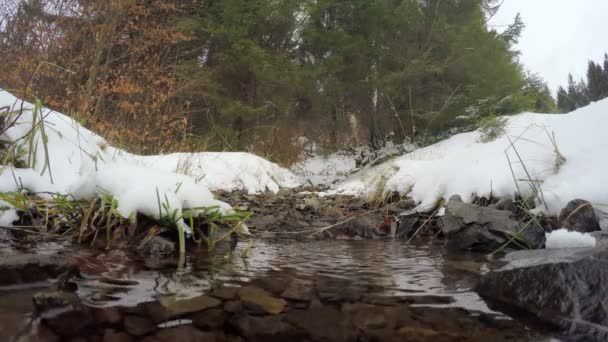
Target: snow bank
{"x": 562, "y": 238}
{"x": 83, "y": 164}
{"x": 226, "y": 171}
{"x": 464, "y": 165}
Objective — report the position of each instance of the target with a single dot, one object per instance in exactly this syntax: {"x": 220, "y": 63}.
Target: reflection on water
{"x": 383, "y": 268}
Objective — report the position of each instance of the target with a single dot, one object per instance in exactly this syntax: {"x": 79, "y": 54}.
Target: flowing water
{"x": 342, "y": 270}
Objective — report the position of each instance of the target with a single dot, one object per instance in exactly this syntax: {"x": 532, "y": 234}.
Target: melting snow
{"x": 82, "y": 164}
{"x": 562, "y": 238}
{"x": 464, "y": 165}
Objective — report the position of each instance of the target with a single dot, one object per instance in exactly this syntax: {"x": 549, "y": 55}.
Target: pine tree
{"x": 595, "y": 82}
{"x": 564, "y": 103}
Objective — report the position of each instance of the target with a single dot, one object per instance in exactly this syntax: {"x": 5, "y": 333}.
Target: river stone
{"x": 225, "y": 293}
{"x": 184, "y": 334}
{"x": 299, "y": 290}
{"x": 62, "y": 312}
{"x": 259, "y": 300}
{"x": 19, "y": 268}
{"x": 264, "y": 328}
{"x": 109, "y": 315}
{"x": 578, "y": 215}
{"x": 178, "y": 307}
{"x": 209, "y": 319}
{"x": 111, "y": 335}
{"x": 469, "y": 227}
{"x": 323, "y": 324}
{"x": 139, "y": 326}
{"x": 365, "y": 316}
{"x": 233, "y": 306}
{"x": 566, "y": 287}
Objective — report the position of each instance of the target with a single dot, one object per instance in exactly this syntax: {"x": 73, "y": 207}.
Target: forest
{"x": 267, "y": 77}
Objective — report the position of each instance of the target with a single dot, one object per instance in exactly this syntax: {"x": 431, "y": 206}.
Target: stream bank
{"x": 331, "y": 268}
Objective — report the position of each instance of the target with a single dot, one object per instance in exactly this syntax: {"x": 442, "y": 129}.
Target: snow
{"x": 562, "y": 238}
{"x": 82, "y": 164}
{"x": 226, "y": 171}
{"x": 325, "y": 170}
{"x": 466, "y": 166}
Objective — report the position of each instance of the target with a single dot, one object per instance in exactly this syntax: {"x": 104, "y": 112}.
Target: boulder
{"x": 565, "y": 287}
{"x": 578, "y": 215}
{"x": 474, "y": 228}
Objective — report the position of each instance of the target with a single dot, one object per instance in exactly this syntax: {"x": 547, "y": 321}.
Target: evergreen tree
{"x": 595, "y": 82}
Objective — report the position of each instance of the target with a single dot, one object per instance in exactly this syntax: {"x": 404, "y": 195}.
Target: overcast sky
{"x": 560, "y": 37}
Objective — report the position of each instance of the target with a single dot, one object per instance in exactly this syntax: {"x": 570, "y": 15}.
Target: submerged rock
{"x": 323, "y": 324}
{"x": 62, "y": 312}
{"x": 578, "y": 215}
{"x": 260, "y": 300}
{"x": 475, "y": 228}
{"x": 566, "y": 287}
{"x": 19, "y": 268}
{"x": 265, "y": 328}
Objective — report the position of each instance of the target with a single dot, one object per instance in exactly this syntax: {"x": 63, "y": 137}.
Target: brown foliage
{"x": 120, "y": 57}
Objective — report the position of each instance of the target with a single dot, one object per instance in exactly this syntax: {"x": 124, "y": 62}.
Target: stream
{"x": 316, "y": 290}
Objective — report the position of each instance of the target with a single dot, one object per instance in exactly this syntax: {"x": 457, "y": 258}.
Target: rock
{"x": 475, "y": 228}
{"x": 184, "y": 334}
{"x": 299, "y": 290}
{"x": 362, "y": 226}
{"x": 111, "y": 335}
{"x": 264, "y": 328}
{"x": 108, "y": 315}
{"x": 338, "y": 290}
{"x": 225, "y": 293}
{"x": 20, "y": 268}
{"x": 233, "y": 306}
{"x": 158, "y": 245}
{"x": 323, "y": 324}
{"x": 139, "y": 326}
{"x": 43, "y": 334}
{"x": 209, "y": 319}
{"x": 365, "y": 316}
{"x": 178, "y": 307}
{"x": 566, "y": 287}
{"x": 259, "y": 300}
{"x": 407, "y": 226}
{"x": 579, "y": 215}
{"x": 505, "y": 204}
{"x": 62, "y": 312}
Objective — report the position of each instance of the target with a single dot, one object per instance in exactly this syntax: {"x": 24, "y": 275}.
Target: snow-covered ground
{"x": 75, "y": 161}
{"x": 325, "y": 170}
{"x": 83, "y": 164}
{"x": 464, "y": 165}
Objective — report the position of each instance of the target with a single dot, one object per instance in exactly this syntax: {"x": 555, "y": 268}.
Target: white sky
{"x": 560, "y": 37}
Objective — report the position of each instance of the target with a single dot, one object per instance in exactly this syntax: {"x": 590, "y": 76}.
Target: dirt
{"x": 293, "y": 214}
